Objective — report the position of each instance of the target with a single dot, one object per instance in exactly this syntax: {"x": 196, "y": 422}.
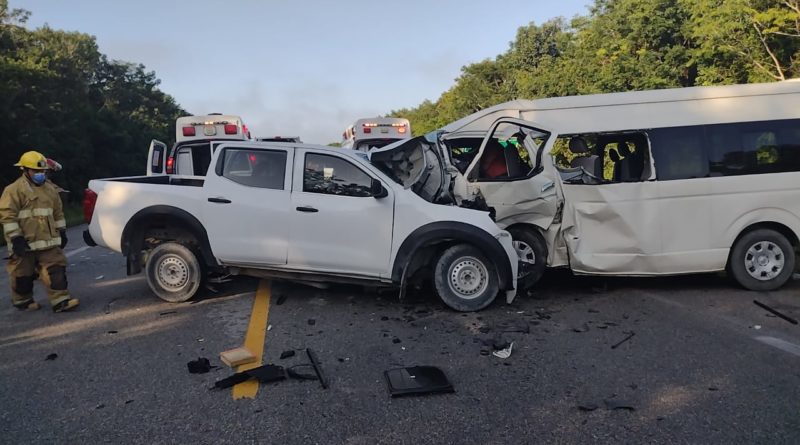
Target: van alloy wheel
{"x": 764, "y": 260}
{"x": 527, "y": 258}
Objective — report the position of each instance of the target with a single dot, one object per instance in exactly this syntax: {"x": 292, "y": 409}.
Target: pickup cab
{"x": 298, "y": 212}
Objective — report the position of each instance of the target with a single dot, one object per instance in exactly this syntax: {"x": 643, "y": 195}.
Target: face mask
{"x": 39, "y": 178}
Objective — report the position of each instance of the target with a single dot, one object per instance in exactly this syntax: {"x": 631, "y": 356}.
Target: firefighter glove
{"x": 63, "y": 234}
{"x": 19, "y": 246}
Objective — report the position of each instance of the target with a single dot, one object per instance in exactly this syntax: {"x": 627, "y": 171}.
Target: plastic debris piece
{"x": 756, "y": 326}
{"x": 779, "y": 314}
{"x": 167, "y": 313}
{"x": 317, "y": 368}
{"x": 417, "y": 380}
{"x": 396, "y": 340}
{"x": 281, "y": 300}
{"x": 613, "y": 404}
{"x": 264, "y": 374}
{"x": 112, "y": 332}
{"x": 287, "y": 354}
{"x": 504, "y": 353}
{"x": 51, "y": 356}
{"x": 588, "y": 407}
{"x": 199, "y": 366}
{"x": 99, "y": 277}
{"x": 269, "y": 327}
{"x": 630, "y": 336}
{"x": 583, "y": 328}
{"x": 312, "y": 322}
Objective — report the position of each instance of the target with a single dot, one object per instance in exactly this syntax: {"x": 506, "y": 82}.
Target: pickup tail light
{"x": 89, "y": 201}
{"x": 170, "y": 165}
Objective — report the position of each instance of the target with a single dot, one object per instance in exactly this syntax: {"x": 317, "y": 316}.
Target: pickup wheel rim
{"x": 172, "y": 273}
{"x": 764, "y": 260}
{"x": 468, "y": 277}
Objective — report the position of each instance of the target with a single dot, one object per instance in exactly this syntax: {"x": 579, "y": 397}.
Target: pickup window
{"x": 334, "y": 176}
{"x": 255, "y": 168}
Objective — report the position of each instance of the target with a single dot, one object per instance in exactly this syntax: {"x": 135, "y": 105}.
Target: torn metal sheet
{"x": 504, "y": 353}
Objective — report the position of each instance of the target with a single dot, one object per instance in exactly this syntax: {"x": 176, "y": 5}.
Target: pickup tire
{"x": 173, "y": 272}
{"x": 465, "y": 279}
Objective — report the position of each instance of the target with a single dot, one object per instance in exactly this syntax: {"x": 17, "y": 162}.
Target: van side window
{"x": 255, "y": 168}
{"x": 679, "y": 152}
{"x": 754, "y": 147}
{"x": 608, "y": 157}
{"x": 333, "y": 175}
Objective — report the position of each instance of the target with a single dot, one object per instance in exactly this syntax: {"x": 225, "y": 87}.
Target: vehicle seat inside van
{"x": 592, "y": 163}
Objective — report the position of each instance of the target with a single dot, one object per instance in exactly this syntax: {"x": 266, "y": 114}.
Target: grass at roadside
{"x": 73, "y": 213}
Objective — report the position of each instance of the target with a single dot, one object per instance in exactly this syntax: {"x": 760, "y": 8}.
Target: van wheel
{"x": 532, "y": 252}
{"x": 173, "y": 272}
{"x": 465, "y": 279}
{"x": 762, "y": 260}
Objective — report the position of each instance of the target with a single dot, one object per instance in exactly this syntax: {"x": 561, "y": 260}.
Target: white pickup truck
{"x": 298, "y": 212}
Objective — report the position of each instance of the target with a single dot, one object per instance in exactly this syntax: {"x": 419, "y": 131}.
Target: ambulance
{"x": 196, "y": 138}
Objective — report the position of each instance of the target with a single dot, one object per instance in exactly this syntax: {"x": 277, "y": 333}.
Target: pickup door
{"x": 247, "y": 210}
{"x": 337, "y": 225}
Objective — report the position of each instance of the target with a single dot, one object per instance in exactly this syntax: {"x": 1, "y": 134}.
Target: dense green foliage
{"x": 59, "y": 95}
{"x": 624, "y": 45}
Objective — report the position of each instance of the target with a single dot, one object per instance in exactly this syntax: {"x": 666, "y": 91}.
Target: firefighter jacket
{"x": 33, "y": 212}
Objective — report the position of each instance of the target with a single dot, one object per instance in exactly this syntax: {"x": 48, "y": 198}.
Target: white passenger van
{"x": 365, "y": 134}
{"x": 194, "y": 144}
{"x": 663, "y": 182}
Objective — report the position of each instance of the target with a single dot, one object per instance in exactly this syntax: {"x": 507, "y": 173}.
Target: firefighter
{"x": 35, "y": 231}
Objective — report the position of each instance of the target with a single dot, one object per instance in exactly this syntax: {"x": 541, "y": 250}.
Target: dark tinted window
{"x": 754, "y": 147}
{"x": 334, "y": 176}
{"x": 255, "y": 168}
{"x": 679, "y": 152}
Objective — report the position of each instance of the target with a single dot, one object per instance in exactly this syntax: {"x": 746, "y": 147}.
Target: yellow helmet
{"x": 32, "y": 159}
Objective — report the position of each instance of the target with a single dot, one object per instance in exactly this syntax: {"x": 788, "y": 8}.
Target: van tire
{"x": 465, "y": 279}
{"x": 529, "y": 242}
{"x": 173, "y": 272}
{"x": 747, "y": 261}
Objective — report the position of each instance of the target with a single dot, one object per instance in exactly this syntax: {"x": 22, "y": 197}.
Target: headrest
{"x": 578, "y": 145}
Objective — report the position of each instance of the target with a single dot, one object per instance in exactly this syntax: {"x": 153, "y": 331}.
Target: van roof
{"x": 580, "y": 113}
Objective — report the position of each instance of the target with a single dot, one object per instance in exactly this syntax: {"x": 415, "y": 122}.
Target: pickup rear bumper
{"x": 87, "y": 238}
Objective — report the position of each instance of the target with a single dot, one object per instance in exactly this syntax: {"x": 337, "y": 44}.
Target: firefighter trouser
{"x": 51, "y": 264}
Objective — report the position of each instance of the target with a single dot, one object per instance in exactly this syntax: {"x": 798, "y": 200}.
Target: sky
{"x": 300, "y": 68}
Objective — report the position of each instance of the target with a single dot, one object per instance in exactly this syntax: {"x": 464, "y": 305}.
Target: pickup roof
{"x": 298, "y": 212}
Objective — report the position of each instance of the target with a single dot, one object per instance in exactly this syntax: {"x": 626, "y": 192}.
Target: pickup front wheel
{"x": 465, "y": 279}
{"x": 173, "y": 272}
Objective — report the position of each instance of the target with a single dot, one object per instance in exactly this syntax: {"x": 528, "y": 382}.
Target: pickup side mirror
{"x": 377, "y": 190}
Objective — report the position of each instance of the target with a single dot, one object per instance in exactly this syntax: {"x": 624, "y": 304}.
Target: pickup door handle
{"x": 219, "y": 200}
{"x": 307, "y": 209}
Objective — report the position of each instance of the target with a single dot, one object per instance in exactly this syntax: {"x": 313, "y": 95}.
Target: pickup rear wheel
{"x": 173, "y": 272}
{"x": 465, "y": 279}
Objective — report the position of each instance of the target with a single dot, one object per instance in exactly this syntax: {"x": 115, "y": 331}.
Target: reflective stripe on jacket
{"x": 33, "y": 212}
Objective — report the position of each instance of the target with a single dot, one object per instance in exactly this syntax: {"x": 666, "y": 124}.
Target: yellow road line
{"x": 254, "y": 340}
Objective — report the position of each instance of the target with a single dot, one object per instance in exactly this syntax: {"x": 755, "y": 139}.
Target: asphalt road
{"x": 704, "y": 364}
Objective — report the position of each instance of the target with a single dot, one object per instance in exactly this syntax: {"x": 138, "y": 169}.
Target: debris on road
{"x": 161, "y": 314}
{"x": 199, "y": 366}
{"x": 264, "y": 374}
{"x": 417, "y": 380}
{"x": 100, "y": 277}
{"x": 630, "y": 336}
{"x": 395, "y": 340}
{"x": 613, "y": 404}
{"x": 112, "y": 332}
{"x": 51, "y": 356}
{"x": 287, "y": 354}
{"x": 281, "y": 300}
{"x": 504, "y": 353}
{"x": 237, "y": 356}
{"x": 779, "y": 314}
{"x": 312, "y": 322}
{"x": 583, "y": 328}
{"x": 756, "y": 326}
{"x": 317, "y": 368}
{"x": 588, "y": 407}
